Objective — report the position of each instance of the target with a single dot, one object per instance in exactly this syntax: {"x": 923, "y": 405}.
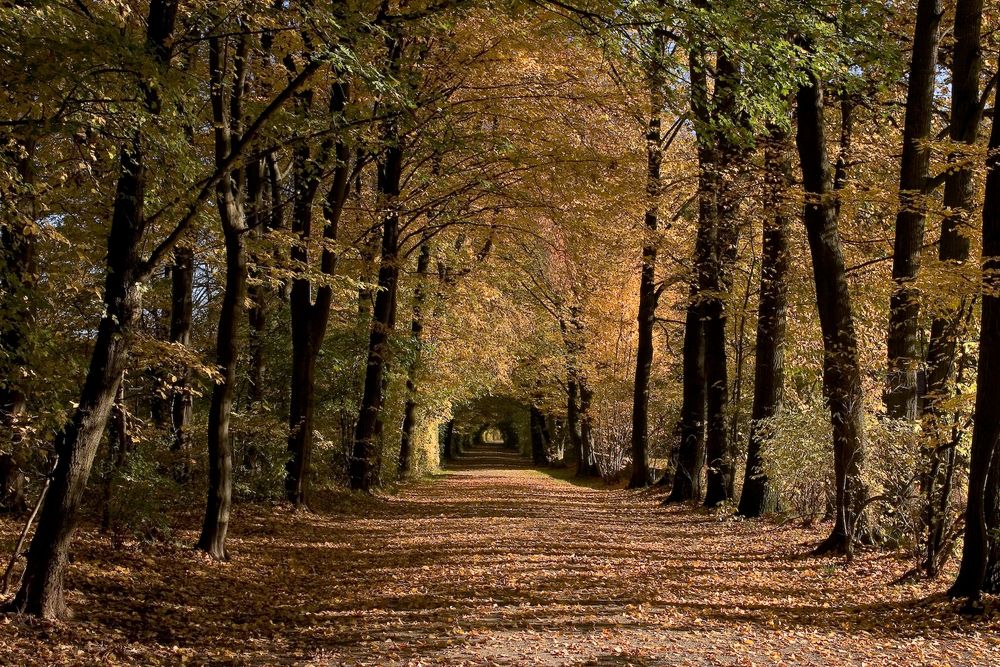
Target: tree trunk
{"x": 950, "y": 327}
{"x": 447, "y": 452}
{"x": 364, "y": 458}
{"x": 687, "y": 484}
{"x": 229, "y": 203}
{"x": 980, "y": 568}
{"x": 587, "y": 465}
{"x": 310, "y": 316}
{"x": 538, "y": 437}
{"x": 220, "y": 448}
{"x": 256, "y": 293}
{"x": 722, "y": 167}
{"x": 648, "y": 295}
{"x": 841, "y": 371}
{"x": 691, "y": 453}
{"x": 759, "y": 496}
{"x": 181, "y": 304}
{"x": 41, "y": 589}
{"x": 573, "y": 420}
{"x": 416, "y": 339}
{"x": 904, "y": 305}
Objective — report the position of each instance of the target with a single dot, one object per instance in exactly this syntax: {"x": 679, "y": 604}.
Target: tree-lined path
{"x": 494, "y": 562}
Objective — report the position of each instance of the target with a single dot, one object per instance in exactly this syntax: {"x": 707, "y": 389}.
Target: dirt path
{"x": 496, "y": 563}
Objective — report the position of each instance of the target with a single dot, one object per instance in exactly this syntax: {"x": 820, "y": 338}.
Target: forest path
{"x": 493, "y": 562}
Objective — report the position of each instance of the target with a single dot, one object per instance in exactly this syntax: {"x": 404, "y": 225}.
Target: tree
{"x": 914, "y": 182}
{"x": 759, "y": 496}
{"x": 841, "y": 371}
{"x": 980, "y": 568}
{"x": 949, "y": 324}
{"x": 41, "y": 590}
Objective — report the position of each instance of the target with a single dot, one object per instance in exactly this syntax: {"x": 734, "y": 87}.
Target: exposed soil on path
{"x": 493, "y": 562}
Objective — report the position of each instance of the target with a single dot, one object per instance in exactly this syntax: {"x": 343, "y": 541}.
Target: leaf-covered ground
{"x": 495, "y": 563}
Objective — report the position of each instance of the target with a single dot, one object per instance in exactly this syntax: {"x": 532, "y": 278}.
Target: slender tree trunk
{"x": 256, "y": 292}
{"x": 227, "y": 117}
{"x": 691, "y": 453}
{"x": 573, "y": 419}
{"x": 949, "y": 328}
{"x": 41, "y": 589}
{"x": 587, "y": 465}
{"x": 220, "y": 448}
{"x": 980, "y": 568}
{"x": 759, "y": 496}
{"x": 181, "y": 305}
{"x": 538, "y": 439}
{"x": 416, "y": 338}
{"x": 447, "y": 452}
{"x": 687, "y": 484}
{"x": 841, "y": 371}
{"x": 724, "y": 167}
{"x": 904, "y": 305}
{"x": 648, "y": 295}
{"x": 310, "y": 315}
{"x": 365, "y": 453}
{"x": 119, "y": 446}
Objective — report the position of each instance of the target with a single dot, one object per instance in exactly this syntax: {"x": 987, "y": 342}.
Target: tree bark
{"x": 648, "y": 295}
{"x": 538, "y": 437}
{"x": 586, "y": 466}
{"x": 949, "y": 327}
{"x": 723, "y": 167}
{"x": 181, "y": 305}
{"x": 687, "y": 484}
{"x": 416, "y": 339}
{"x": 904, "y": 304}
{"x": 226, "y": 115}
{"x": 980, "y": 568}
{"x": 841, "y": 371}
{"x": 365, "y": 451}
{"x": 309, "y": 315}
{"x": 41, "y": 589}
{"x": 759, "y": 496}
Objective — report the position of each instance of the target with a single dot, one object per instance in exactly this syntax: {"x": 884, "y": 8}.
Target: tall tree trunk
{"x": 220, "y": 447}
{"x": 447, "y": 449}
{"x": 717, "y": 281}
{"x": 573, "y": 419}
{"x": 980, "y": 568}
{"x": 904, "y": 305}
{"x": 950, "y": 327}
{"x": 648, "y": 295}
{"x": 586, "y": 466}
{"x": 365, "y": 452}
{"x": 181, "y": 305}
{"x": 538, "y": 437}
{"x": 416, "y": 339}
{"x": 256, "y": 292}
{"x": 759, "y": 496}
{"x": 841, "y": 371}
{"x": 687, "y": 484}
{"x": 310, "y": 315}
{"x": 226, "y": 114}
{"x": 41, "y": 589}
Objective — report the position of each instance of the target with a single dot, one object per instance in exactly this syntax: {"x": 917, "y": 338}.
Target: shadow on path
{"x": 495, "y": 562}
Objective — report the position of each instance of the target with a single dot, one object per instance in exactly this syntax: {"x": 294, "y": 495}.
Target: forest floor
{"x": 494, "y": 563}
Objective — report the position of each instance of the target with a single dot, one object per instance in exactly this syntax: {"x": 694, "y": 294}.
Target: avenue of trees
{"x": 258, "y": 250}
